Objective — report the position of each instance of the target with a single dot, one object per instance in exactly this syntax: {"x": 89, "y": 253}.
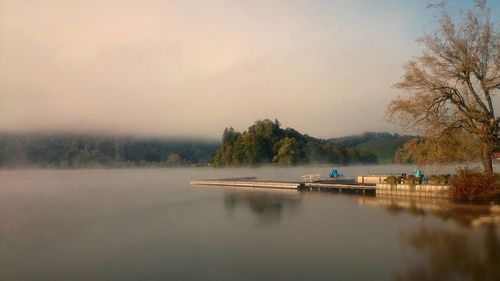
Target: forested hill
{"x": 74, "y": 151}
{"x": 384, "y": 145}
{"x": 266, "y": 142}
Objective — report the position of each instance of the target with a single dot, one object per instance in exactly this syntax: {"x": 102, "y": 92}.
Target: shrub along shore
{"x": 467, "y": 184}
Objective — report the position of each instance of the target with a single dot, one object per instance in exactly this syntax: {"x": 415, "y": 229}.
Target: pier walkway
{"x": 336, "y": 185}
{"x": 326, "y": 185}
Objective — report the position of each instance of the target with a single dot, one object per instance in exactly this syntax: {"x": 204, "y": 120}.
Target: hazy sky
{"x": 192, "y": 68}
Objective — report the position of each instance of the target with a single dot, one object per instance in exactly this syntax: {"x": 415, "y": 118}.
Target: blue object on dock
{"x": 418, "y": 174}
{"x": 334, "y": 174}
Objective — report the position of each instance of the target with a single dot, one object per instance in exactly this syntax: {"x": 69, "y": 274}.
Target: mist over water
{"x": 137, "y": 224}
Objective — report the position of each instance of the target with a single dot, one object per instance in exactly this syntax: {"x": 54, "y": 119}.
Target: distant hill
{"x": 75, "y": 151}
{"x": 265, "y": 142}
{"x": 384, "y": 145}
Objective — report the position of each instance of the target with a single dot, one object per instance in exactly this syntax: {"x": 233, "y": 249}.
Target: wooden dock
{"x": 327, "y": 185}
{"x": 342, "y": 187}
{"x": 249, "y": 183}
{"x": 334, "y": 185}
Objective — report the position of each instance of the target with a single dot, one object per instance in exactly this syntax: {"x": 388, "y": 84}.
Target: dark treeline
{"x": 384, "y": 145}
{"x": 266, "y": 142}
{"x": 356, "y": 140}
{"x": 73, "y": 151}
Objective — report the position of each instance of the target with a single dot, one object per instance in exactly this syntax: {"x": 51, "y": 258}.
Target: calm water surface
{"x": 150, "y": 224}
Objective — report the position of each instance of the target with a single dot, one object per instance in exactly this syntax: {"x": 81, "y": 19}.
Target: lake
{"x": 150, "y": 224}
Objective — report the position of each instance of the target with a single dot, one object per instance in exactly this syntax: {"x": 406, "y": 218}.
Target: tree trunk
{"x": 488, "y": 149}
{"x": 488, "y": 164}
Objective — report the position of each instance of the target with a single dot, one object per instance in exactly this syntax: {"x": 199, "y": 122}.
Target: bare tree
{"x": 452, "y": 85}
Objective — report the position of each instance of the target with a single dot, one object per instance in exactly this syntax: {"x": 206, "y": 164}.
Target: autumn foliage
{"x": 472, "y": 185}
{"x": 451, "y": 87}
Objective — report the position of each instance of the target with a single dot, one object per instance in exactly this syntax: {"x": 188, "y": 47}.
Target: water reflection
{"x": 445, "y": 254}
{"x": 466, "y": 250}
{"x": 269, "y": 206}
{"x": 467, "y": 215}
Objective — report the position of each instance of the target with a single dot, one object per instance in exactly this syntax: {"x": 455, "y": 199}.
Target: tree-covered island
{"x": 266, "y": 142}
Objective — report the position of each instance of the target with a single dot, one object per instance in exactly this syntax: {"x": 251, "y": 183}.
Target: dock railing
{"x": 311, "y": 177}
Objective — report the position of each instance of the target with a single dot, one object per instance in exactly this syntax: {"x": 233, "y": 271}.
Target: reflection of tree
{"x": 440, "y": 252}
{"x": 268, "y": 206}
{"x": 394, "y": 207}
{"x": 452, "y": 255}
{"x": 464, "y": 214}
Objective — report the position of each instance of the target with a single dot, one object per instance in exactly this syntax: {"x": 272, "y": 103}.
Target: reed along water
{"x": 150, "y": 224}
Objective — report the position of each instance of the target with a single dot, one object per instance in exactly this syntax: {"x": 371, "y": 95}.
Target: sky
{"x": 193, "y": 68}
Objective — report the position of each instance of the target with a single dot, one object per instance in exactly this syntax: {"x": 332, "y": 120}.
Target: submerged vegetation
{"x": 266, "y": 142}
{"x": 75, "y": 151}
